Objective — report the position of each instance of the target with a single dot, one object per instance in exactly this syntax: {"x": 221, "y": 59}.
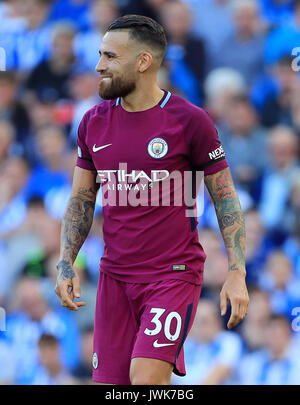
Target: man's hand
{"x": 235, "y": 291}
{"x": 68, "y": 286}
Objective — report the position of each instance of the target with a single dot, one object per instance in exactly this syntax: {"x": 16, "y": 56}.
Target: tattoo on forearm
{"x": 76, "y": 225}
{"x": 230, "y": 217}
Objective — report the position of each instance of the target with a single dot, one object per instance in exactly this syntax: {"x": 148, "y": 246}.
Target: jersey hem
{"x": 152, "y": 279}
{"x": 180, "y": 373}
{"x": 113, "y": 380}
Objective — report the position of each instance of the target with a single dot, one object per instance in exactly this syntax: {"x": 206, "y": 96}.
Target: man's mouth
{"x": 105, "y": 78}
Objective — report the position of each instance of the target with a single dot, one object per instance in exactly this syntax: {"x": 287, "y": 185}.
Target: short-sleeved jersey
{"x": 139, "y": 157}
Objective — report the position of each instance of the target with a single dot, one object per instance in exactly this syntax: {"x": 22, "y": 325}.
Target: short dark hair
{"x": 8, "y": 76}
{"x": 142, "y": 29}
{"x": 274, "y": 317}
{"x": 285, "y": 60}
{"x": 48, "y": 340}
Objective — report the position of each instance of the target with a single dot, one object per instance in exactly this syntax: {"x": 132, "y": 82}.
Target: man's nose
{"x": 100, "y": 65}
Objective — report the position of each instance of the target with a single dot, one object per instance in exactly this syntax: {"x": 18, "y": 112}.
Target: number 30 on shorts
{"x": 167, "y": 327}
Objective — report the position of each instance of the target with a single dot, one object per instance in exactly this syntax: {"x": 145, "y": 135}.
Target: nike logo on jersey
{"x": 97, "y": 148}
{"x": 156, "y": 344}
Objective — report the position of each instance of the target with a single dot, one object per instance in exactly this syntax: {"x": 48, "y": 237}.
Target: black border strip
{"x": 211, "y": 162}
{"x": 185, "y": 329}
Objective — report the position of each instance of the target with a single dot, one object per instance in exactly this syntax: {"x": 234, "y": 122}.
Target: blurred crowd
{"x": 235, "y": 58}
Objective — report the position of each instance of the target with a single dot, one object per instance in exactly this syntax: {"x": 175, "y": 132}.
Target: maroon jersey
{"x": 148, "y": 238}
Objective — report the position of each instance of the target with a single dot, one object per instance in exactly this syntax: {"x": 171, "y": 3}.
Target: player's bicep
{"x": 206, "y": 152}
{"x": 84, "y": 182}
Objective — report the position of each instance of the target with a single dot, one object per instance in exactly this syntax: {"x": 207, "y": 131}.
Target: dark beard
{"x": 118, "y": 88}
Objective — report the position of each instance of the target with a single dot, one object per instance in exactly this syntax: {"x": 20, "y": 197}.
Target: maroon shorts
{"x": 141, "y": 320}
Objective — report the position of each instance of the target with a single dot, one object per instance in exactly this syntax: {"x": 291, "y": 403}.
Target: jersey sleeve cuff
{"x": 216, "y": 167}
{"x": 85, "y": 164}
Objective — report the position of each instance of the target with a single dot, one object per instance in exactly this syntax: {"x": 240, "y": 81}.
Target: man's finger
{"x": 80, "y": 303}
{"x": 233, "y": 321}
{"x": 223, "y": 303}
{"x": 244, "y": 309}
{"x": 238, "y": 312}
{"x": 235, "y": 316}
{"x": 68, "y": 303}
{"x": 66, "y": 295}
{"x": 76, "y": 287}
{"x": 73, "y": 306}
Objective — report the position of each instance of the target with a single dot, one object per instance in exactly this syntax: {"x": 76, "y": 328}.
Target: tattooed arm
{"x": 232, "y": 227}
{"x": 76, "y": 225}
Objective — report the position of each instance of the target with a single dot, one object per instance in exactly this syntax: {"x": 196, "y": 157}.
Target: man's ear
{"x": 144, "y": 62}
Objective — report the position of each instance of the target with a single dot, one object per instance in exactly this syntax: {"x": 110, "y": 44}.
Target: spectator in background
{"x": 11, "y": 17}
{"x": 56, "y": 198}
{"x": 12, "y": 23}
{"x": 257, "y": 246}
{"x": 205, "y": 12}
{"x": 51, "y": 371}
{"x": 278, "y": 107}
{"x": 49, "y": 236}
{"x": 83, "y": 87}
{"x": 12, "y": 109}
{"x": 164, "y": 82}
{"x": 31, "y": 45}
{"x": 51, "y": 172}
{"x": 74, "y": 11}
{"x": 7, "y": 138}
{"x": 220, "y": 86}
{"x": 185, "y": 53}
{"x": 8, "y": 366}
{"x": 50, "y": 77}
{"x": 278, "y": 279}
{"x": 283, "y": 148}
{"x": 212, "y": 355}
{"x": 291, "y": 246}
{"x": 244, "y": 142}
{"x": 277, "y": 11}
{"x": 292, "y": 212}
{"x": 216, "y": 264}
{"x": 275, "y": 364}
{"x": 87, "y": 43}
{"x": 14, "y": 178}
{"x": 45, "y": 112}
{"x": 150, "y": 8}
{"x": 83, "y": 371}
{"x": 243, "y": 50}
{"x": 19, "y": 246}
{"x": 283, "y": 37}
{"x": 253, "y": 328}
{"x": 30, "y": 317}
{"x": 41, "y": 113}
{"x": 295, "y": 111}
{"x": 93, "y": 248}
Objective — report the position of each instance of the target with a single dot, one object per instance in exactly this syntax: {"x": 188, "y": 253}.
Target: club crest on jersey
{"x": 95, "y": 361}
{"x": 157, "y": 148}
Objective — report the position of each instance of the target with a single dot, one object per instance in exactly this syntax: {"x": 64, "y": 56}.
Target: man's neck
{"x": 142, "y": 98}
{"x": 246, "y": 35}
{"x": 54, "y": 370}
